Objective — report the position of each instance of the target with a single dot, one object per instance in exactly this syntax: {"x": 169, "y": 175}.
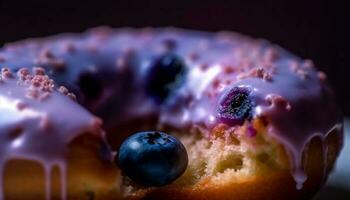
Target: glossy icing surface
{"x": 38, "y": 122}
{"x": 105, "y": 68}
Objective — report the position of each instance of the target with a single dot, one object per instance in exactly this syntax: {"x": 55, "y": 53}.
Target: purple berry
{"x": 235, "y": 106}
{"x": 164, "y": 76}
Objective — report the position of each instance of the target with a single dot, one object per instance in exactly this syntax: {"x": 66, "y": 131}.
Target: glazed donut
{"x": 257, "y": 121}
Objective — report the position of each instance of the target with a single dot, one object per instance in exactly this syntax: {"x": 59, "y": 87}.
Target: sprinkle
{"x": 44, "y": 96}
{"x": 6, "y": 73}
{"x": 262, "y": 73}
{"x": 72, "y": 96}
{"x": 69, "y": 47}
{"x": 47, "y": 57}
{"x": 302, "y": 73}
{"x": 21, "y": 105}
{"x": 33, "y": 94}
{"x": 39, "y": 71}
{"x": 193, "y": 56}
{"x": 271, "y": 55}
{"x": 229, "y": 69}
{"x": 47, "y": 54}
{"x": 23, "y": 73}
{"x": 293, "y": 65}
{"x": 170, "y": 44}
{"x": 308, "y": 64}
{"x": 278, "y": 101}
{"x": 204, "y": 66}
{"x": 96, "y": 123}
{"x": 101, "y": 33}
{"x": 321, "y": 76}
{"x": 58, "y": 64}
{"x": 257, "y": 72}
{"x": 45, "y": 123}
{"x": 63, "y": 90}
{"x": 37, "y": 81}
{"x": 216, "y": 83}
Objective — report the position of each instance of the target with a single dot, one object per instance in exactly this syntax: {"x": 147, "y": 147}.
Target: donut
{"x": 257, "y": 122}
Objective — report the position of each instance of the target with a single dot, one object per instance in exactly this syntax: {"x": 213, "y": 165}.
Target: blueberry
{"x": 164, "y": 76}
{"x": 152, "y": 158}
{"x": 236, "y": 106}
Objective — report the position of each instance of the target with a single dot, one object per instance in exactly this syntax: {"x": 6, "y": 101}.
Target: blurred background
{"x": 315, "y": 29}
{"x": 312, "y": 29}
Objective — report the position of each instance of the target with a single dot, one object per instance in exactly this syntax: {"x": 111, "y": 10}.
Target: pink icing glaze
{"x": 289, "y": 92}
{"x": 38, "y": 122}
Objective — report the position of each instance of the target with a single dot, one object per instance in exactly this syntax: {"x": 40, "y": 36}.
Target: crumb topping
{"x": 46, "y": 57}
{"x": 38, "y": 85}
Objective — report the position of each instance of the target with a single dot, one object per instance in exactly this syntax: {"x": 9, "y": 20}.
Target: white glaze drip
{"x": 40, "y": 129}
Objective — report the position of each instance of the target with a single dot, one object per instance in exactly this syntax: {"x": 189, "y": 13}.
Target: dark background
{"x": 313, "y": 29}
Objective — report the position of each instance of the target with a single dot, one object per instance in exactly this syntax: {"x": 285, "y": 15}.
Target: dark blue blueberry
{"x": 236, "y": 106}
{"x": 152, "y": 158}
{"x": 164, "y": 76}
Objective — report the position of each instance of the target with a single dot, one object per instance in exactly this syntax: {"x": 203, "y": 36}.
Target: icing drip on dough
{"x": 38, "y": 123}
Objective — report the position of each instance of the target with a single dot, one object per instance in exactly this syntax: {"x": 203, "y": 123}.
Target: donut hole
{"x": 90, "y": 85}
